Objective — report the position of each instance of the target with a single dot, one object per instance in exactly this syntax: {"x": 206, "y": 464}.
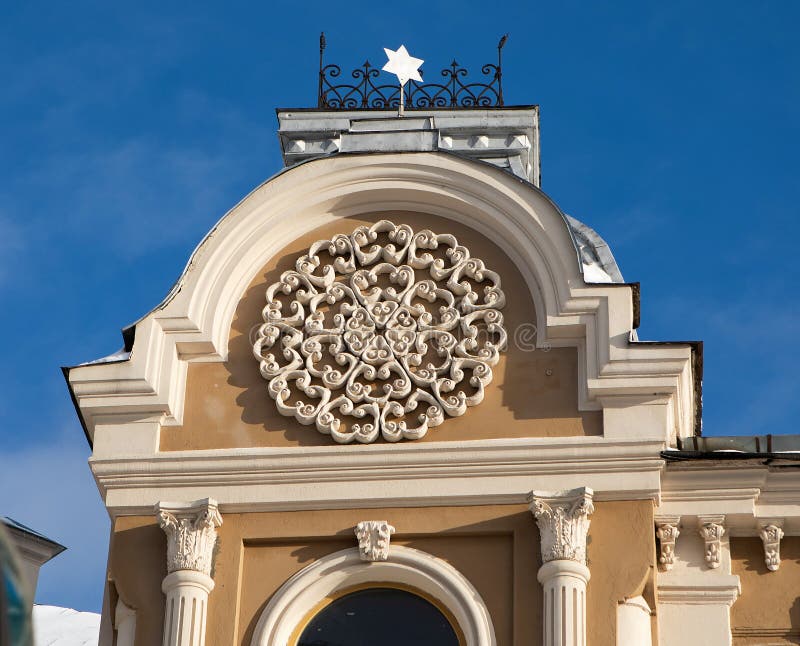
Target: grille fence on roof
{"x": 367, "y": 92}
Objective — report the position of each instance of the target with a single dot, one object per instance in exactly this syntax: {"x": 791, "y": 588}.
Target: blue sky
{"x": 127, "y": 130}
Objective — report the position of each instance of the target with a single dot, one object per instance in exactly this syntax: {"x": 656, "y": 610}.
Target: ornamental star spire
{"x": 403, "y": 65}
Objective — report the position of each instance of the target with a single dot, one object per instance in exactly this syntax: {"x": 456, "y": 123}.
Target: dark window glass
{"x": 383, "y": 616}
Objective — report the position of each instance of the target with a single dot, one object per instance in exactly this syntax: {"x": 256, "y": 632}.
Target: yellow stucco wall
{"x": 768, "y": 609}
{"x": 495, "y": 547}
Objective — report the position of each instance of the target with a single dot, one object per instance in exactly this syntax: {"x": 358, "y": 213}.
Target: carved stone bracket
{"x": 667, "y": 532}
{"x": 373, "y": 539}
{"x": 191, "y": 530}
{"x": 563, "y": 520}
{"x": 712, "y": 530}
{"x": 771, "y": 532}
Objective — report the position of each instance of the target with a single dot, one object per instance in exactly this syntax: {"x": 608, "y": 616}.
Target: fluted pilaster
{"x": 563, "y": 520}
{"x": 191, "y": 530}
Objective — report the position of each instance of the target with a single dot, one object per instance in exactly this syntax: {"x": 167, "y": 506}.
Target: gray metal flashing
{"x": 15, "y": 526}
{"x": 506, "y": 137}
{"x": 773, "y": 459}
{"x": 411, "y": 111}
{"x": 737, "y": 444}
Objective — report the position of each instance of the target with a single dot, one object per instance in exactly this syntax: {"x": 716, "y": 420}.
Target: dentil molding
{"x": 191, "y": 530}
{"x": 563, "y": 520}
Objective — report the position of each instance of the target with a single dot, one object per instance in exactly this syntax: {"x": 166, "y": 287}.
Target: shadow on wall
{"x": 138, "y": 565}
{"x": 768, "y": 606}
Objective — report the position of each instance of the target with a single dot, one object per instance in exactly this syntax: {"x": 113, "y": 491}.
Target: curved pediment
{"x": 533, "y": 391}
{"x": 185, "y": 347}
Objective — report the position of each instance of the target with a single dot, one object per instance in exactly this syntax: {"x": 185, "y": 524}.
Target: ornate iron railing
{"x": 366, "y": 92}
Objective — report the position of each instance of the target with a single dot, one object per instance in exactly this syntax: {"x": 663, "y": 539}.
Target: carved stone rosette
{"x": 563, "y": 520}
{"x": 667, "y": 532}
{"x": 771, "y": 534}
{"x": 191, "y": 534}
{"x": 383, "y": 332}
{"x": 712, "y": 530}
{"x": 373, "y": 539}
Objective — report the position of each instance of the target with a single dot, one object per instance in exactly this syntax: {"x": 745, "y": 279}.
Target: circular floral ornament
{"x": 389, "y": 333}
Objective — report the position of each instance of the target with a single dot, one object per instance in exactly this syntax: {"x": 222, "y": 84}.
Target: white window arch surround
{"x": 343, "y": 570}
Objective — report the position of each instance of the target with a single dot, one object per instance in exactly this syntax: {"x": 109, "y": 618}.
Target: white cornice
{"x": 383, "y": 475}
{"x": 703, "y": 590}
{"x": 743, "y": 493}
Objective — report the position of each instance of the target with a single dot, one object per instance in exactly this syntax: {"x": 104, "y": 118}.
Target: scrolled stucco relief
{"x": 667, "y": 532}
{"x": 395, "y": 332}
{"x": 771, "y": 534}
{"x": 373, "y": 539}
{"x": 563, "y": 520}
{"x": 712, "y": 530}
{"x": 191, "y": 534}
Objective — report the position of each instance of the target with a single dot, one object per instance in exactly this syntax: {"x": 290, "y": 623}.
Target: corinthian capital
{"x": 191, "y": 530}
{"x": 563, "y": 520}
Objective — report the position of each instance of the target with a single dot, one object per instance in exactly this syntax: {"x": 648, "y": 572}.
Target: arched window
{"x": 390, "y": 616}
{"x": 412, "y": 587}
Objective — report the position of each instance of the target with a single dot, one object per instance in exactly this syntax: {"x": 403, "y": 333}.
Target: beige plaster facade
{"x": 495, "y": 547}
{"x": 550, "y": 512}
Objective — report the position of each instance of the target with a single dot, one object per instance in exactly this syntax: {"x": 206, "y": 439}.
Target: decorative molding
{"x": 563, "y": 520}
{"x": 747, "y": 495}
{"x": 376, "y": 313}
{"x": 345, "y": 570}
{"x": 667, "y": 532}
{"x": 791, "y": 635}
{"x": 711, "y": 531}
{"x": 194, "y": 321}
{"x": 477, "y": 472}
{"x": 771, "y": 533}
{"x": 719, "y": 589}
{"x": 191, "y": 531}
{"x": 373, "y": 539}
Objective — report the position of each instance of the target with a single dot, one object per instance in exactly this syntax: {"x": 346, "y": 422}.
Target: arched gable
{"x": 193, "y": 324}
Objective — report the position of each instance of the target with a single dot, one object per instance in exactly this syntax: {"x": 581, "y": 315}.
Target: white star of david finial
{"x": 403, "y": 65}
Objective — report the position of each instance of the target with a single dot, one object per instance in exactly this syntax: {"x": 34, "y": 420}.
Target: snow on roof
{"x": 597, "y": 261}
{"x": 54, "y": 626}
{"x": 120, "y": 355}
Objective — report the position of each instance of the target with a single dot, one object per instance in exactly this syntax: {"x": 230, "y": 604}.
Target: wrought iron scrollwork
{"x": 366, "y": 92}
